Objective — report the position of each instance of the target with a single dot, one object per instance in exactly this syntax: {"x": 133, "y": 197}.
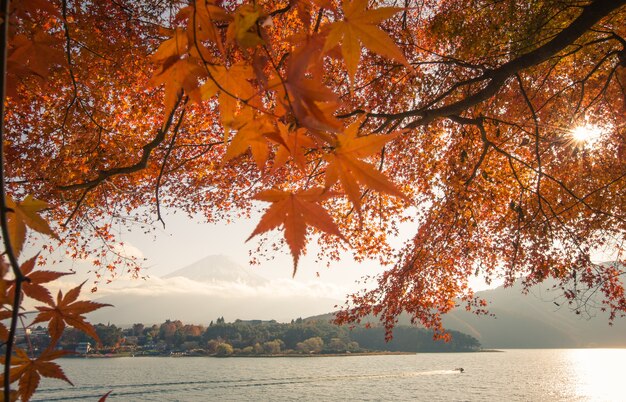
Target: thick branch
{"x": 496, "y": 78}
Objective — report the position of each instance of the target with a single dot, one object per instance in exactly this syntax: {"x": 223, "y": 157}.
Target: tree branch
{"x": 497, "y": 77}
{"x": 19, "y": 277}
{"x": 141, "y": 164}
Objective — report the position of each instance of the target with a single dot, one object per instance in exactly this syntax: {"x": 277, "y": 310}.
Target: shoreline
{"x": 294, "y": 355}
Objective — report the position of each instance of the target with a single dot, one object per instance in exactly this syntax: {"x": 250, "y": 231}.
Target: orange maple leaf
{"x": 176, "y": 70}
{"x": 4, "y": 332}
{"x": 360, "y": 26}
{"x": 232, "y": 85}
{"x": 21, "y": 7}
{"x": 291, "y": 143}
{"x": 29, "y": 371}
{"x": 295, "y": 211}
{"x": 310, "y": 101}
{"x": 5, "y": 299}
{"x": 68, "y": 311}
{"x": 23, "y": 214}
{"x": 251, "y": 133}
{"x": 37, "y": 54}
{"x": 178, "y": 75}
{"x": 32, "y": 286}
{"x": 4, "y": 284}
{"x": 176, "y": 46}
{"x": 345, "y": 164}
{"x": 203, "y": 13}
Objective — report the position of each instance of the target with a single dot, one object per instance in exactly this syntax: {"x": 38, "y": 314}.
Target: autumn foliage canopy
{"x": 470, "y": 121}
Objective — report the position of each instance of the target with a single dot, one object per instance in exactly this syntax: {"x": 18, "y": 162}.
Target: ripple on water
{"x": 515, "y": 375}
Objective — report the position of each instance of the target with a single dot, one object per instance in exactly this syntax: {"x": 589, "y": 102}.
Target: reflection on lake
{"x": 520, "y": 375}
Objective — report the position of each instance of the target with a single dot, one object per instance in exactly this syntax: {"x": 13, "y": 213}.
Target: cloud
{"x": 277, "y": 288}
{"x": 225, "y": 290}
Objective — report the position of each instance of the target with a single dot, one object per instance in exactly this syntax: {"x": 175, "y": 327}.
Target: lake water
{"x": 512, "y": 375}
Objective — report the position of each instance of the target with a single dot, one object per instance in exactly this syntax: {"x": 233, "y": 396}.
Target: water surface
{"x": 513, "y": 375}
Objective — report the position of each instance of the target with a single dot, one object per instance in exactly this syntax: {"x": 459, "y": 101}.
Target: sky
{"x": 314, "y": 290}
{"x": 184, "y": 241}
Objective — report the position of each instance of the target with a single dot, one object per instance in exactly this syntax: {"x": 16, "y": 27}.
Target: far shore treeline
{"x": 251, "y": 338}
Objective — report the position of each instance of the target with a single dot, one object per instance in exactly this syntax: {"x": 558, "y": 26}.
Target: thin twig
{"x": 167, "y": 154}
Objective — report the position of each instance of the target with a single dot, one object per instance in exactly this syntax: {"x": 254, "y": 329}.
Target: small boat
{"x": 459, "y": 369}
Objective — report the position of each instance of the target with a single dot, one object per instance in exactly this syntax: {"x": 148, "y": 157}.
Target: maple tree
{"x": 350, "y": 118}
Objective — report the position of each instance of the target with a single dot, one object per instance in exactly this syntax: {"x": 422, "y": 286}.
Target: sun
{"x": 586, "y": 134}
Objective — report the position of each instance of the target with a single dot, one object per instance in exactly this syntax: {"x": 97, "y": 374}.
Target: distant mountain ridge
{"x": 529, "y": 321}
{"x": 535, "y": 321}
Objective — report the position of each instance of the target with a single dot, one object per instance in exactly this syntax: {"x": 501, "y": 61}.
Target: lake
{"x": 512, "y": 375}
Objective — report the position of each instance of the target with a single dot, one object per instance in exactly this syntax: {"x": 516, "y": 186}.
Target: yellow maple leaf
{"x": 361, "y": 26}
{"x": 243, "y": 27}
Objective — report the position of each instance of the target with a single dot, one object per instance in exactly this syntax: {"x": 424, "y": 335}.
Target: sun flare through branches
{"x": 587, "y": 135}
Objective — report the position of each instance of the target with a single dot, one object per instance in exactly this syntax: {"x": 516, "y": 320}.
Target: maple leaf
{"x": 251, "y": 133}
{"x": 68, "y": 311}
{"x": 295, "y": 211}
{"x": 29, "y": 371}
{"x": 176, "y": 46}
{"x": 33, "y": 6}
{"x": 5, "y": 299}
{"x": 4, "y": 284}
{"x": 4, "y": 332}
{"x": 242, "y": 29}
{"x": 179, "y": 75}
{"x": 23, "y": 214}
{"x": 104, "y": 397}
{"x": 32, "y": 286}
{"x": 232, "y": 85}
{"x": 177, "y": 71}
{"x": 345, "y": 165}
{"x": 310, "y": 101}
{"x": 360, "y": 26}
{"x": 38, "y": 54}
{"x": 291, "y": 143}
{"x": 203, "y": 12}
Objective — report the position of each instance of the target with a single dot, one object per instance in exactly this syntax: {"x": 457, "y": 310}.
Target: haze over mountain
{"x": 535, "y": 321}
{"x": 213, "y": 287}
{"x": 531, "y": 321}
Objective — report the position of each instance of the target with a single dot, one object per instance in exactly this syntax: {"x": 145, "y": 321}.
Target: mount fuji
{"x": 213, "y": 287}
